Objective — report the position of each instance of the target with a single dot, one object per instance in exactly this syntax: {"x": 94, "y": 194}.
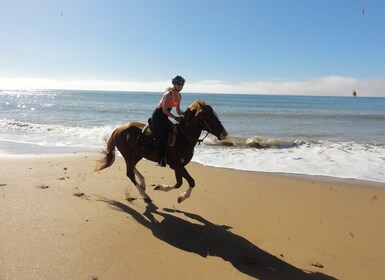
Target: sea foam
{"x": 342, "y": 160}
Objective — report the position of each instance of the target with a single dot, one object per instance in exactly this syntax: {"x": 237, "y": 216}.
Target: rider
{"x": 170, "y": 99}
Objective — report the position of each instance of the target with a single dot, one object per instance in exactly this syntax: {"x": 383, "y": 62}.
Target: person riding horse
{"x": 160, "y": 121}
{"x": 198, "y": 116}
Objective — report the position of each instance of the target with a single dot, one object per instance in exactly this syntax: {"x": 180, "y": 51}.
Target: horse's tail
{"x": 109, "y": 154}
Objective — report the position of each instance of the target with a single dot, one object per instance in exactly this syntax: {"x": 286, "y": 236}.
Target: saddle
{"x": 146, "y": 138}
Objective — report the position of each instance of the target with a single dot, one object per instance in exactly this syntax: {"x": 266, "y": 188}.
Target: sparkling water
{"x": 330, "y": 136}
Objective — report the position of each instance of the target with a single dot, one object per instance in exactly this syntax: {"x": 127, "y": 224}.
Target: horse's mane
{"x": 195, "y": 109}
{"x": 198, "y": 106}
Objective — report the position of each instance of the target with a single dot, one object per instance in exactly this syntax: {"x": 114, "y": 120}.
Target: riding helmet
{"x": 178, "y": 80}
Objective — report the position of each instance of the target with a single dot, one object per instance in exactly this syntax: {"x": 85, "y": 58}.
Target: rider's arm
{"x": 178, "y": 110}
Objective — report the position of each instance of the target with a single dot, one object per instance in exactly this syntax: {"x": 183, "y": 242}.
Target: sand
{"x": 59, "y": 220}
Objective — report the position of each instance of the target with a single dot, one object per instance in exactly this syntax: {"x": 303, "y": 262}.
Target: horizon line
{"x": 321, "y": 86}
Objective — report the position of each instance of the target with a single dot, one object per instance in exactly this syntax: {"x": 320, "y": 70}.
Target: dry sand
{"x": 61, "y": 221}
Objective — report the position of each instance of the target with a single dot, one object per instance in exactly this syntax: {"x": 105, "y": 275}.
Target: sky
{"x": 306, "y": 47}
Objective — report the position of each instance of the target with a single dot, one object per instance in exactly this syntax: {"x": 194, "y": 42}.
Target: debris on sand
{"x": 43, "y": 187}
{"x": 79, "y": 194}
{"x": 129, "y": 197}
{"x": 317, "y": 264}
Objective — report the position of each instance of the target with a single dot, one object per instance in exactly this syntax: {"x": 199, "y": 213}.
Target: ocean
{"x": 341, "y": 137}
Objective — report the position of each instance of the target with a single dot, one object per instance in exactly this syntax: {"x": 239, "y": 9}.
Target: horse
{"x": 198, "y": 116}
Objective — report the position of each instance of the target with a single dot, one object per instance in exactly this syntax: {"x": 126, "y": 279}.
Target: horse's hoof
{"x": 180, "y": 199}
{"x": 148, "y": 200}
{"x": 157, "y": 187}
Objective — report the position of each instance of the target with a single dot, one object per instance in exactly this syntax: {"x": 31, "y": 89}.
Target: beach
{"x": 61, "y": 220}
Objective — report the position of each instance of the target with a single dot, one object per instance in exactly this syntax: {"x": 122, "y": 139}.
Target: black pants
{"x": 160, "y": 123}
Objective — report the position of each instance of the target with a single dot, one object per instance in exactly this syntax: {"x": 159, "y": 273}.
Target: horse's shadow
{"x": 207, "y": 239}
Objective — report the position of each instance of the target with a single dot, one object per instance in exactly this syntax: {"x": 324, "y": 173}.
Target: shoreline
{"x": 326, "y": 178}
{"x": 62, "y": 220}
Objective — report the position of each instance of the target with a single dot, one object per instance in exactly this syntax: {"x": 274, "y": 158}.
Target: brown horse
{"x": 198, "y": 116}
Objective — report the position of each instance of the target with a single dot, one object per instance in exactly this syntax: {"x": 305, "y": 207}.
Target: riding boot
{"x": 162, "y": 161}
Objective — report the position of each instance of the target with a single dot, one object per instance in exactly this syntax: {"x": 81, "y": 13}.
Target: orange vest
{"x": 173, "y": 102}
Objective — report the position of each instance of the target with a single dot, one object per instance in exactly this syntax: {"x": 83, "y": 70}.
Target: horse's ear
{"x": 200, "y": 104}
{"x": 198, "y": 111}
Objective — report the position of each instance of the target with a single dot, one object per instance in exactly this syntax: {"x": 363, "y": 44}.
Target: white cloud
{"x": 330, "y": 85}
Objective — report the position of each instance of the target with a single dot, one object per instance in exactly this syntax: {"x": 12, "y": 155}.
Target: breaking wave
{"x": 54, "y": 135}
{"x": 257, "y": 142}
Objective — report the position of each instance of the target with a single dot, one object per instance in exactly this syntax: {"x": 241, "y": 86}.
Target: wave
{"x": 98, "y": 133}
{"x": 335, "y": 159}
{"x": 29, "y": 93}
{"x": 256, "y": 142}
{"x": 354, "y": 160}
{"x": 60, "y": 134}
{"x": 12, "y": 125}
{"x": 55, "y": 134}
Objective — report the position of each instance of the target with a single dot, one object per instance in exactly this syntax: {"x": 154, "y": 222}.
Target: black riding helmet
{"x": 178, "y": 80}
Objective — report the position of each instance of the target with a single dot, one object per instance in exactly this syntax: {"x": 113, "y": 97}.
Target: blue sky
{"x": 323, "y": 47}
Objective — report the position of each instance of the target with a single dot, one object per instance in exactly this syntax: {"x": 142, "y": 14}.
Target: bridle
{"x": 209, "y": 130}
{"x": 199, "y": 141}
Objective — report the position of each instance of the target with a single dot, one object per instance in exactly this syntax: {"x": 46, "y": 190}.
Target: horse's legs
{"x": 166, "y": 188}
{"x": 183, "y": 173}
{"x": 131, "y": 171}
{"x": 180, "y": 173}
{"x": 142, "y": 181}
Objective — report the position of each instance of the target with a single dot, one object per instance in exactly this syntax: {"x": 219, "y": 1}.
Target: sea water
{"x": 329, "y": 136}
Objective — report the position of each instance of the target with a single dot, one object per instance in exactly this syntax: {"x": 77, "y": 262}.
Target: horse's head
{"x": 207, "y": 118}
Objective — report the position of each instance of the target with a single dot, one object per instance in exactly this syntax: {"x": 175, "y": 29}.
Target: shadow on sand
{"x": 207, "y": 239}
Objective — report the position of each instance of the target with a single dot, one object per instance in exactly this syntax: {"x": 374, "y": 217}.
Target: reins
{"x": 199, "y": 141}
